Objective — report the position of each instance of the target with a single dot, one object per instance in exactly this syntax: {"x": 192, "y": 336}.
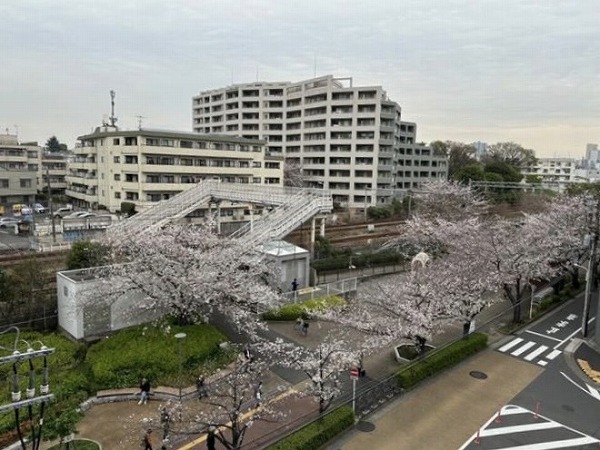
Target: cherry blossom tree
{"x": 324, "y": 364}
{"x": 235, "y": 402}
{"x": 190, "y": 272}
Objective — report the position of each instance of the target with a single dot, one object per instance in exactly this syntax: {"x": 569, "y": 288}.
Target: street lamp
{"x": 180, "y": 337}
{"x": 587, "y": 297}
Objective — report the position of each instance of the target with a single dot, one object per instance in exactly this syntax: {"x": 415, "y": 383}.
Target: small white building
{"x": 294, "y": 263}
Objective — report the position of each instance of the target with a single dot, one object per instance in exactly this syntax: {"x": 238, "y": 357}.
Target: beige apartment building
{"x": 19, "y": 165}
{"x": 111, "y": 166}
{"x": 52, "y": 173}
{"x": 345, "y": 138}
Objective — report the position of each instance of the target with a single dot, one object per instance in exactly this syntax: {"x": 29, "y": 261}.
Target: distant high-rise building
{"x": 480, "y": 149}
{"x": 350, "y": 140}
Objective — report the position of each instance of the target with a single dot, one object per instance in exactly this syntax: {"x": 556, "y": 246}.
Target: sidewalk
{"x": 443, "y": 413}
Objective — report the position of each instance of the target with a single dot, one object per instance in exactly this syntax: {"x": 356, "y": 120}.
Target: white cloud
{"x": 463, "y": 69}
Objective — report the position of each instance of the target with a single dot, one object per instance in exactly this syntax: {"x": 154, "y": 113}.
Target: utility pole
{"x": 591, "y": 272}
{"x": 50, "y": 205}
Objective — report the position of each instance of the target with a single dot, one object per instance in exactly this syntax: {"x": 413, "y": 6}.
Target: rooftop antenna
{"x": 112, "y": 118}
{"x": 139, "y": 118}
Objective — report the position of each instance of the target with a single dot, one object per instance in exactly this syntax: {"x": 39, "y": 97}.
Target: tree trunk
{"x": 575, "y": 278}
{"x": 466, "y": 328}
{"x": 420, "y": 342}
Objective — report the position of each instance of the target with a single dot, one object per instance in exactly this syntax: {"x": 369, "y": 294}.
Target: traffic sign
{"x": 354, "y": 373}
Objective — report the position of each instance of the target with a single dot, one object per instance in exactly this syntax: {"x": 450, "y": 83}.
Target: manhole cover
{"x": 367, "y": 427}
{"x": 477, "y": 374}
{"x": 568, "y": 408}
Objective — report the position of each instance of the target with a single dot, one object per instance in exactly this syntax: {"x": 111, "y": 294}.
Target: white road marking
{"x": 537, "y": 352}
{"x": 543, "y": 363}
{"x": 519, "y": 428}
{"x": 575, "y": 442}
{"x": 592, "y": 392}
{"x": 553, "y": 354}
{"x": 523, "y": 348}
{"x": 543, "y": 335}
{"x": 510, "y": 345}
{"x": 572, "y": 334}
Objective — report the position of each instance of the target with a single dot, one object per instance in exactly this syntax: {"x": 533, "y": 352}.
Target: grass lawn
{"x": 79, "y": 444}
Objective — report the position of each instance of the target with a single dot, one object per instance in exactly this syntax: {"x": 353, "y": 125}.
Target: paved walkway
{"x": 443, "y": 413}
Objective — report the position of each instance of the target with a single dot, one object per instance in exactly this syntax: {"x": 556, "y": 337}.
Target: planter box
{"x": 406, "y": 352}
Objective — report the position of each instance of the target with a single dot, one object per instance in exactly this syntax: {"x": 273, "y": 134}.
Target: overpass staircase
{"x": 291, "y": 208}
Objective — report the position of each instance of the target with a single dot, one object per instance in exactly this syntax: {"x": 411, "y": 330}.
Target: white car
{"x": 8, "y": 222}
{"x": 79, "y": 215}
{"x": 39, "y": 208}
{"x": 62, "y": 212}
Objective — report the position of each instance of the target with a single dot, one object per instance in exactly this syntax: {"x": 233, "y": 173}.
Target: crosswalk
{"x": 517, "y": 428}
{"x": 530, "y": 351}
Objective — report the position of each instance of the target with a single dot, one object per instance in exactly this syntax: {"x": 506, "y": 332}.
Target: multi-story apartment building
{"x": 558, "y": 173}
{"x": 110, "y": 166}
{"x": 19, "y": 165}
{"x": 52, "y": 173}
{"x": 346, "y": 139}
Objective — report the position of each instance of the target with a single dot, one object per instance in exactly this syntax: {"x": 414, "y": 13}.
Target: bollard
{"x": 498, "y": 419}
{"x": 537, "y": 410}
{"x": 477, "y": 438}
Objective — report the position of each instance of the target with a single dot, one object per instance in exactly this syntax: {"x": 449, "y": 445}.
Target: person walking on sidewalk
{"x": 147, "y": 440}
{"x": 144, "y": 391}
{"x": 201, "y": 387}
{"x": 258, "y": 394}
{"x": 210, "y": 439}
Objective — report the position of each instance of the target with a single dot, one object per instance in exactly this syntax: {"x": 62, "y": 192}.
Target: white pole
{"x": 531, "y": 302}
{"x": 354, "y": 396}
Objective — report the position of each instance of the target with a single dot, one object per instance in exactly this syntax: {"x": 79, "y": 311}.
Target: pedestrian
{"x": 300, "y": 325}
{"x": 201, "y": 387}
{"x": 294, "y": 284}
{"x": 258, "y": 393}
{"x": 147, "y": 441}
{"x": 165, "y": 420}
{"x": 305, "y": 328}
{"x": 144, "y": 391}
{"x": 210, "y": 439}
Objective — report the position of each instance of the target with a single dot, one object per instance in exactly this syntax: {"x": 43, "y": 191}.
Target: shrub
{"x": 151, "y": 352}
{"x": 303, "y": 309}
{"x": 319, "y": 432}
{"x": 441, "y": 359}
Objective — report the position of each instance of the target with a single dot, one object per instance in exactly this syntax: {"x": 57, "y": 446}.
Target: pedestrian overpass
{"x": 290, "y": 207}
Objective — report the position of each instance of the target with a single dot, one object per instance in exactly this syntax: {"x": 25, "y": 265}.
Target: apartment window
{"x": 116, "y": 159}
{"x": 153, "y": 142}
{"x": 132, "y": 178}
{"x": 132, "y": 196}
{"x": 4, "y": 183}
{"x": 271, "y": 165}
{"x": 116, "y": 141}
{"x": 131, "y": 159}
{"x": 130, "y": 141}
{"x": 256, "y": 180}
{"x": 256, "y": 164}
{"x": 153, "y": 179}
{"x": 117, "y": 195}
{"x": 25, "y": 183}
{"x": 117, "y": 177}
{"x": 154, "y": 197}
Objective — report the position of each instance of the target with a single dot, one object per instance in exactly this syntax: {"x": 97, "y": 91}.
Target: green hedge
{"x": 318, "y": 433}
{"x": 443, "y": 358}
{"x": 151, "y": 352}
{"x": 342, "y": 262}
{"x": 303, "y": 309}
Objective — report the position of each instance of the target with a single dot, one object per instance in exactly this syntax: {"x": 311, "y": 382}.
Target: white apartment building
{"x": 110, "y": 166}
{"x": 52, "y": 173}
{"x": 346, "y": 139}
{"x": 19, "y": 165}
{"x": 557, "y": 173}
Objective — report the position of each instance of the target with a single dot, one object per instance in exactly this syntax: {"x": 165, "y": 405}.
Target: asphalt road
{"x": 561, "y": 407}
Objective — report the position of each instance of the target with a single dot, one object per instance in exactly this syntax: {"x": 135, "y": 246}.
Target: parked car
{"x": 62, "y": 212}
{"x": 8, "y": 222}
{"x": 78, "y": 215}
{"x": 39, "y": 208}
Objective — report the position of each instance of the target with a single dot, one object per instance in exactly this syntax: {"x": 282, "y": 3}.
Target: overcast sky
{"x": 466, "y": 70}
